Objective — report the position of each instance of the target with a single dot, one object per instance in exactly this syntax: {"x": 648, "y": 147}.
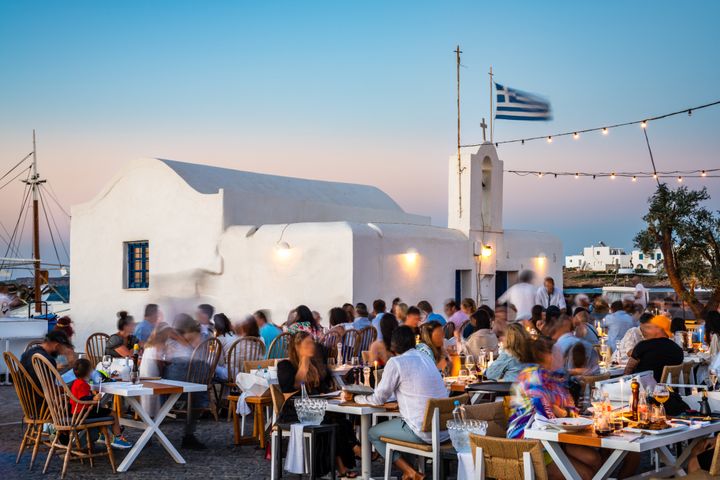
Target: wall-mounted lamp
{"x": 411, "y": 255}
{"x": 282, "y": 249}
{"x": 486, "y": 251}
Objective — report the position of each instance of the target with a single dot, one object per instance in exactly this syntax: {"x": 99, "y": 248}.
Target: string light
{"x": 678, "y": 175}
{"x": 605, "y": 129}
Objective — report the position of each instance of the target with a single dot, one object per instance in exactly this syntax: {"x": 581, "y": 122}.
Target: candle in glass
{"x": 376, "y": 373}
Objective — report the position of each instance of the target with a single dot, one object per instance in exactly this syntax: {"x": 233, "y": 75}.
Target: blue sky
{"x": 363, "y": 92}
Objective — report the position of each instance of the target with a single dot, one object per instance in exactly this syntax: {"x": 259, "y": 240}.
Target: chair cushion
{"x": 423, "y": 447}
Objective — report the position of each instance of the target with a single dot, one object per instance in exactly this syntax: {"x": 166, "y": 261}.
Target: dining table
{"x": 150, "y": 425}
{"x": 620, "y": 444}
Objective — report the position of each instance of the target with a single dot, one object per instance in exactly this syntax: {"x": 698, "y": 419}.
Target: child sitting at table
{"x": 80, "y": 388}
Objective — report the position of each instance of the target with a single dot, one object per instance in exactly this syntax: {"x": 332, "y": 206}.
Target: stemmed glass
{"x": 470, "y": 364}
{"x": 481, "y": 365}
{"x": 661, "y": 395}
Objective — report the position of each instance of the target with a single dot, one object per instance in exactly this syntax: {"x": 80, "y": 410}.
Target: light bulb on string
{"x": 576, "y": 135}
{"x": 655, "y": 176}
{"x": 549, "y": 139}
{"x": 643, "y": 124}
{"x": 577, "y": 175}
{"x": 680, "y": 179}
{"x": 612, "y": 176}
{"x": 703, "y": 173}
{"x": 540, "y": 174}
{"x": 605, "y": 131}
{"x": 634, "y": 179}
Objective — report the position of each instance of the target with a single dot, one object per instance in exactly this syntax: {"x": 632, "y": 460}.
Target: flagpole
{"x": 457, "y": 57}
{"x": 491, "y": 105}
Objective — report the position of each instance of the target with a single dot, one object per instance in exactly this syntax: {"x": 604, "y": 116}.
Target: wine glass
{"x": 481, "y": 365}
{"x": 354, "y": 361}
{"x": 661, "y": 394}
{"x": 713, "y": 377}
{"x": 106, "y": 362}
{"x": 596, "y": 400}
{"x": 470, "y": 363}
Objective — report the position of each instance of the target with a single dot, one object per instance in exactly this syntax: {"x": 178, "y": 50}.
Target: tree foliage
{"x": 688, "y": 234}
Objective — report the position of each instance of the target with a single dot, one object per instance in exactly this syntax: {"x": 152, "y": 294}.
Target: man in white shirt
{"x": 617, "y": 323}
{"x": 413, "y": 378}
{"x": 548, "y": 295}
{"x": 633, "y": 337}
{"x": 521, "y": 296}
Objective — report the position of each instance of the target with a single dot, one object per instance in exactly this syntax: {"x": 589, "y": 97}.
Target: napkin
{"x": 242, "y": 407}
{"x": 466, "y": 468}
{"x": 295, "y": 459}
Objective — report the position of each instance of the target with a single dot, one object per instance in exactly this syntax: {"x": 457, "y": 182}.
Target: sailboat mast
{"x": 36, "y": 231}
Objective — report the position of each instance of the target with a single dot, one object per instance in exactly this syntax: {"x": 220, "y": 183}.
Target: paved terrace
{"x": 221, "y": 460}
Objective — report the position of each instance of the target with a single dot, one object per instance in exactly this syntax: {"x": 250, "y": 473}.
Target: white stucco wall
{"x": 142, "y": 203}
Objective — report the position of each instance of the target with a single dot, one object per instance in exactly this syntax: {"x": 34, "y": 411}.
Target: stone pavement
{"x": 221, "y": 460}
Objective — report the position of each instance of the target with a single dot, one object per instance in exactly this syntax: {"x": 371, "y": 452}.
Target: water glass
{"x": 106, "y": 362}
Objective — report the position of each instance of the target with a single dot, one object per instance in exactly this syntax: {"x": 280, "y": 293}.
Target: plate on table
{"x": 671, "y": 428}
{"x": 358, "y": 389}
{"x": 573, "y": 424}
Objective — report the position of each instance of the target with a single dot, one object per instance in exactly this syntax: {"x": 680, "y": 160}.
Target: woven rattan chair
{"x": 95, "y": 347}
{"x": 449, "y": 330}
{"x": 507, "y": 459}
{"x": 33, "y": 343}
{"x": 714, "y": 471}
{"x": 349, "y": 343}
{"x": 32, "y": 402}
{"x": 493, "y": 413}
{"x": 678, "y": 374}
{"x": 366, "y": 337}
{"x": 57, "y": 395}
{"x": 437, "y": 413}
{"x": 279, "y": 346}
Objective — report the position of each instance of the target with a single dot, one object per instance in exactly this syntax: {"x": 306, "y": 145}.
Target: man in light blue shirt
{"x": 144, "y": 329}
{"x": 617, "y": 323}
{"x": 379, "y": 310}
{"x": 361, "y": 317}
{"x": 268, "y": 331}
{"x": 430, "y": 316}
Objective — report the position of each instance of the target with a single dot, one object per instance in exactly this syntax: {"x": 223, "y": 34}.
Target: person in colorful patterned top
{"x": 539, "y": 390}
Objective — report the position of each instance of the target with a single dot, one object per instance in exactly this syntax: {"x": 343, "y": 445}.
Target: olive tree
{"x": 688, "y": 234}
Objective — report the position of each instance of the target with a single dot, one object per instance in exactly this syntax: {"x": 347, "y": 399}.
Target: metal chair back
{"x": 331, "y": 341}
{"x": 279, "y": 346}
{"x": 350, "y": 342}
{"x": 366, "y": 337}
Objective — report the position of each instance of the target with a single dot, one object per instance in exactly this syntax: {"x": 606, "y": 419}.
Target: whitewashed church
{"x": 176, "y": 233}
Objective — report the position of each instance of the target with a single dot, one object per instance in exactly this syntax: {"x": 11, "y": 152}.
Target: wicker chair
{"x": 508, "y": 459}
{"x": 350, "y": 340}
{"x": 32, "y": 402}
{"x": 366, "y": 337}
{"x": 437, "y": 413}
{"x": 449, "y": 330}
{"x": 279, "y": 346}
{"x": 201, "y": 369}
{"x": 95, "y": 347}
{"x": 679, "y": 374}
{"x": 57, "y": 394}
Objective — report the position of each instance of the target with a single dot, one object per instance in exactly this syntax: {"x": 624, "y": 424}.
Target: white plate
{"x": 569, "y": 424}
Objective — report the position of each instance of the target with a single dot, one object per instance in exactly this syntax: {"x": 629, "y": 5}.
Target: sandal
{"x": 349, "y": 474}
{"x": 373, "y": 458}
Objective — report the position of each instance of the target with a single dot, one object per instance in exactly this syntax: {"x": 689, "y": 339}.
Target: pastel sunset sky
{"x": 363, "y": 92}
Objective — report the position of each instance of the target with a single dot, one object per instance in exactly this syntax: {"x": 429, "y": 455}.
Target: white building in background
{"x": 647, "y": 260}
{"x": 177, "y": 234}
{"x": 599, "y": 258}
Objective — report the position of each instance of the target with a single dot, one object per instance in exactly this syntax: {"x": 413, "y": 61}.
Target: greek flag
{"x": 518, "y": 105}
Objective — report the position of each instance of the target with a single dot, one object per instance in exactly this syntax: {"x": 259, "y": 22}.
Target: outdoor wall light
{"x": 486, "y": 251}
{"x": 411, "y": 255}
{"x": 282, "y": 249}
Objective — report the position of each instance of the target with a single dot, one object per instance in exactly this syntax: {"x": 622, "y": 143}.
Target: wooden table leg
{"x": 236, "y": 422}
{"x": 260, "y": 424}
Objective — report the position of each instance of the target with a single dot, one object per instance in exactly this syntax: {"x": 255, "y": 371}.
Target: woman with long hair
{"x": 432, "y": 342}
{"x": 306, "y": 365}
{"x": 515, "y": 357}
{"x": 338, "y": 320}
{"x": 538, "y": 390}
{"x": 121, "y": 344}
{"x": 380, "y": 350}
{"x": 225, "y": 334}
{"x": 304, "y": 321}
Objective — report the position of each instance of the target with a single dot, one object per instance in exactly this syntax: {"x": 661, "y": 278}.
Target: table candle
{"x": 376, "y": 373}
{"x": 622, "y": 394}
